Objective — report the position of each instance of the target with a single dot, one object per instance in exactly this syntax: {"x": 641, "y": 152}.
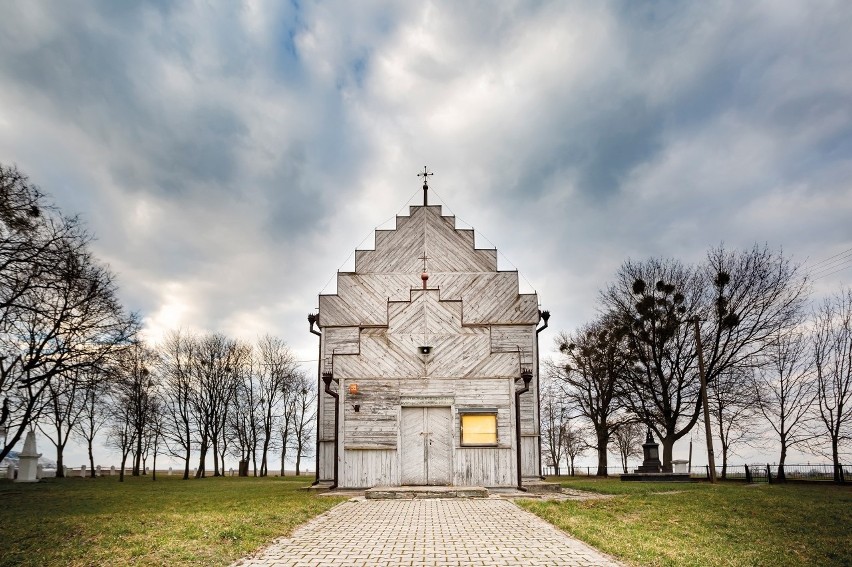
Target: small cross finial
{"x": 425, "y": 175}
{"x": 424, "y": 276}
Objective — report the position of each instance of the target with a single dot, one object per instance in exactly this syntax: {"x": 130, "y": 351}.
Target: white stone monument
{"x": 28, "y": 460}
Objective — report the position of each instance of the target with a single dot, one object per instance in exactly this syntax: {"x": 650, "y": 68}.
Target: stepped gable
{"x": 456, "y": 268}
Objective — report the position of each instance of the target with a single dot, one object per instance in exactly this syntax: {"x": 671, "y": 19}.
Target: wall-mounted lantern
{"x": 354, "y": 391}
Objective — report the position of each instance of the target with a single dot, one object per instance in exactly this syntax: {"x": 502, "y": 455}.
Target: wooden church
{"x": 428, "y": 364}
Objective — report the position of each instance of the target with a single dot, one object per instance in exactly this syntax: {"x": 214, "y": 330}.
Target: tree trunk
{"x": 137, "y": 459}
{"x": 121, "y": 470}
{"x": 264, "y": 466}
{"x": 202, "y": 457}
{"x": 603, "y": 441}
{"x": 835, "y": 458}
{"x": 60, "y": 469}
{"x": 668, "y": 445}
{"x": 215, "y": 458}
{"x": 154, "y": 467}
{"x": 284, "y": 451}
{"x": 186, "y": 465}
{"x": 781, "y": 476}
{"x": 91, "y": 458}
{"x": 724, "y": 460}
{"x": 298, "y": 461}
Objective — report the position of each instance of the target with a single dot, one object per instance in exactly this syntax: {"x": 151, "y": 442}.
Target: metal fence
{"x": 584, "y": 471}
{"x": 763, "y": 472}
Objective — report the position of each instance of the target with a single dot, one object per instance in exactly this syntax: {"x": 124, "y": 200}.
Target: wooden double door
{"x": 426, "y": 445}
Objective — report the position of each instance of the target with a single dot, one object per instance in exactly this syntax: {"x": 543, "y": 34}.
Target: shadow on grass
{"x": 211, "y": 521}
{"x": 701, "y": 524}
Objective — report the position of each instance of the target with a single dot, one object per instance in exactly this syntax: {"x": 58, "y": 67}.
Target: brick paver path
{"x": 428, "y": 532}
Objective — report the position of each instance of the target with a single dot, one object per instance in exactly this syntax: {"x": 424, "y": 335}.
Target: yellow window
{"x": 479, "y": 429}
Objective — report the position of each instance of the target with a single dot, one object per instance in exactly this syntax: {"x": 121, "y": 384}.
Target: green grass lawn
{"x": 210, "y": 521}
{"x": 729, "y": 524}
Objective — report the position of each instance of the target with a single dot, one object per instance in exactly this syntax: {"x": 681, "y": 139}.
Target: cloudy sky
{"x": 230, "y": 157}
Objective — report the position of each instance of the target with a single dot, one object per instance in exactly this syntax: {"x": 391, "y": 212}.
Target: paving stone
{"x": 410, "y": 532}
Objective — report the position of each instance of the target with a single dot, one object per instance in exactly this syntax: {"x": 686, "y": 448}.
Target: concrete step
{"x": 322, "y": 486}
{"x": 657, "y": 477}
{"x": 537, "y": 486}
{"x": 411, "y": 492}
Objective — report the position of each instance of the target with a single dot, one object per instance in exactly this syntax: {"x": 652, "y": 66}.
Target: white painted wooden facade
{"x": 480, "y": 331}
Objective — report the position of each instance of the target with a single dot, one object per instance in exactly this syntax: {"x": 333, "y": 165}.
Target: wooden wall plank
{"x": 484, "y": 467}
{"x": 529, "y": 456}
{"x": 341, "y": 340}
{"x": 365, "y": 468}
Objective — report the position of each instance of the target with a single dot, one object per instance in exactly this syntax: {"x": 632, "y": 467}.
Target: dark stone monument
{"x": 652, "y": 468}
{"x": 651, "y": 462}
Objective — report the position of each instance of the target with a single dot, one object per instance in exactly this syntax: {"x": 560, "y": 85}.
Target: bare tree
{"x": 596, "y": 362}
{"x": 213, "y": 373}
{"x": 832, "y": 344}
{"x": 786, "y": 391}
{"x": 276, "y": 374}
{"x": 750, "y": 296}
{"x": 58, "y": 306}
{"x": 628, "y": 440}
{"x": 305, "y": 398}
{"x": 742, "y": 298}
{"x": 733, "y": 402}
{"x": 244, "y": 418}
{"x": 177, "y": 356}
{"x": 287, "y": 420}
{"x": 652, "y": 300}
{"x": 94, "y": 411}
{"x": 120, "y": 432}
{"x": 63, "y": 407}
{"x": 136, "y": 387}
{"x": 575, "y": 442}
{"x": 155, "y": 431}
{"x": 554, "y": 418}
{"x": 239, "y": 363}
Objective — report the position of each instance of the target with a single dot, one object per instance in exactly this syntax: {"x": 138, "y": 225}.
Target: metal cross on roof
{"x": 425, "y": 175}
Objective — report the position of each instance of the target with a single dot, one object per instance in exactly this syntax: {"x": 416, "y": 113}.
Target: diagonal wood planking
{"x": 481, "y": 331}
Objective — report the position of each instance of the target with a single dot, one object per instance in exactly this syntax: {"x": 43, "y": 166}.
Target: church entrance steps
{"x": 420, "y": 492}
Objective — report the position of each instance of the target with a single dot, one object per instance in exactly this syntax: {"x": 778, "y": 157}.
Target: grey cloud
{"x": 611, "y": 125}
